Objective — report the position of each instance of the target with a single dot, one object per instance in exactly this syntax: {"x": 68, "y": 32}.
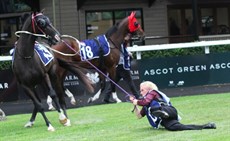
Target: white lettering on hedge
{"x": 4, "y": 85}
{"x": 134, "y": 72}
{"x": 187, "y": 69}
{"x": 158, "y": 71}
{"x": 71, "y": 77}
{"x": 219, "y": 66}
{"x": 191, "y": 68}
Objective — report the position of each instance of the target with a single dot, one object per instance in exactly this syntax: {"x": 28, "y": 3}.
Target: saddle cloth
{"x": 90, "y": 49}
{"x": 44, "y": 54}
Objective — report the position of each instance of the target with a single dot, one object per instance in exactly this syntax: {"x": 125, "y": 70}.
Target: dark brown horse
{"x": 77, "y": 52}
{"x": 30, "y": 70}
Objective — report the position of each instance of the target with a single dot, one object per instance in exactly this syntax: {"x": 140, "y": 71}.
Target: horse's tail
{"x": 79, "y": 72}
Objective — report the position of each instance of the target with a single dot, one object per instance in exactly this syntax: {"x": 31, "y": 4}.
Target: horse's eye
{"x": 136, "y": 24}
{"x": 41, "y": 22}
{"x": 47, "y": 20}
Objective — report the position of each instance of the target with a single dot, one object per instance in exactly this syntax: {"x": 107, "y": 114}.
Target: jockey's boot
{"x": 209, "y": 126}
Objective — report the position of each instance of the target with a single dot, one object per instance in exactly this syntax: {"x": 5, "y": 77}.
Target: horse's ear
{"x": 133, "y": 24}
{"x": 42, "y": 11}
{"x": 132, "y": 15}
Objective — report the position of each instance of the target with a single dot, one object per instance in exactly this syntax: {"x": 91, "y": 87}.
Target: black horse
{"x": 30, "y": 70}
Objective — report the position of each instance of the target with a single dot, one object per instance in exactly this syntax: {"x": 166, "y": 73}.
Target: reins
{"x": 27, "y": 32}
{"x": 115, "y": 45}
{"x": 65, "y": 54}
{"x": 44, "y": 36}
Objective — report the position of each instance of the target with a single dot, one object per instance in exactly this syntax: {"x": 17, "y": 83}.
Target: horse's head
{"x": 134, "y": 26}
{"x": 42, "y": 24}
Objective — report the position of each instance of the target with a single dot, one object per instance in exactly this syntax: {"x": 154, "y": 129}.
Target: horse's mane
{"x": 111, "y": 30}
{"x": 24, "y": 17}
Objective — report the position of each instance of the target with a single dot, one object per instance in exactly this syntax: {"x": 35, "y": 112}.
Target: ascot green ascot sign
{"x": 185, "y": 71}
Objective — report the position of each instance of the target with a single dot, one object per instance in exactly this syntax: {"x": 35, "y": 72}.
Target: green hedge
{"x": 4, "y": 65}
{"x": 183, "y": 52}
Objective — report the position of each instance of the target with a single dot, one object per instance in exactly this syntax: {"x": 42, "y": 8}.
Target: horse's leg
{"x": 50, "y": 103}
{"x": 2, "y": 115}
{"x": 32, "y": 119}
{"x": 102, "y": 87}
{"x": 63, "y": 104}
{"x": 114, "y": 94}
{"x": 37, "y": 107}
{"x": 70, "y": 95}
{"x": 60, "y": 93}
{"x": 57, "y": 82}
{"x": 95, "y": 97}
{"x": 112, "y": 75}
{"x": 62, "y": 117}
{"x": 61, "y": 75}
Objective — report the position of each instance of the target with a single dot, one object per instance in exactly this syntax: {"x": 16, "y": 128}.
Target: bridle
{"x": 131, "y": 31}
{"x": 34, "y": 25}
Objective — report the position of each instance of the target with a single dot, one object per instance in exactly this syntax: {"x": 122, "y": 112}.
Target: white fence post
{"x": 206, "y": 50}
{"x": 138, "y": 53}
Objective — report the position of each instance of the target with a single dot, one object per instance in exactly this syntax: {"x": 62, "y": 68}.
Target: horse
{"x": 73, "y": 51}
{"x": 30, "y": 71}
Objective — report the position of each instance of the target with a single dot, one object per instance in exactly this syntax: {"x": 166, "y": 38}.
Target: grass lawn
{"x": 115, "y": 122}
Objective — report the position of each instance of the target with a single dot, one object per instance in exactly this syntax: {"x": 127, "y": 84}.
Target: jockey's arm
{"x": 137, "y": 112}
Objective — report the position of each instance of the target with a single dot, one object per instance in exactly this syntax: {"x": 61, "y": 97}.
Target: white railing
{"x": 139, "y": 49}
{"x": 205, "y": 44}
{"x": 5, "y": 58}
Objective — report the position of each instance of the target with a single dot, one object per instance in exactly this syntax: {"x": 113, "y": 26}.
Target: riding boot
{"x": 209, "y": 126}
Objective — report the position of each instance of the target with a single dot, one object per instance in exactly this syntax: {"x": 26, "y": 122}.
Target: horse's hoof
{"x": 118, "y": 101}
{"x": 73, "y": 102}
{"x": 67, "y": 123}
{"x": 63, "y": 121}
{"x": 51, "y": 128}
{"x": 51, "y": 108}
{"x": 90, "y": 100}
{"x": 29, "y": 124}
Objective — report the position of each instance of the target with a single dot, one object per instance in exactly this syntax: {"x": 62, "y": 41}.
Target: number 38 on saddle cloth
{"x": 92, "y": 48}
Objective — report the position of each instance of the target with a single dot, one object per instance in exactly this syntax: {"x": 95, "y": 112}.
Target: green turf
{"x": 115, "y": 122}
